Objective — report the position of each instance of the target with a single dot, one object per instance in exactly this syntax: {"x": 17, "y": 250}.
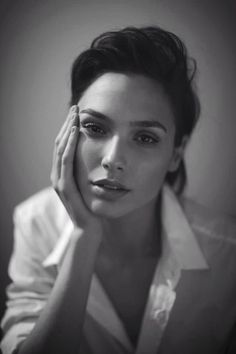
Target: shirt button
{"x": 160, "y": 317}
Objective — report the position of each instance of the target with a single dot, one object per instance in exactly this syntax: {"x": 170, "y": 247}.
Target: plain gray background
{"x": 39, "y": 40}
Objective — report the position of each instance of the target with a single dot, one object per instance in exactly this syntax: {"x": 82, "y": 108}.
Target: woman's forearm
{"x": 59, "y": 327}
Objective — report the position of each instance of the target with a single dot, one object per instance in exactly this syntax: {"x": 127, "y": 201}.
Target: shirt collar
{"x": 176, "y": 227}
{"x": 179, "y": 234}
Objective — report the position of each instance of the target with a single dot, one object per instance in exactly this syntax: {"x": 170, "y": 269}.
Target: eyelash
{"x": 97, "y": 131}
{"x": 90, "y": 126}
{"x": 154, "y": 140}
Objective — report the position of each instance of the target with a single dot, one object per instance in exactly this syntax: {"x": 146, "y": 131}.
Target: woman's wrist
{"x": 90, "y": 235}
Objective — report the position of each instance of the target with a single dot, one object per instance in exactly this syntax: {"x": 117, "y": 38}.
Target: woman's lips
{"x": 108, "y": 189}
{"x": 109, "y": 183}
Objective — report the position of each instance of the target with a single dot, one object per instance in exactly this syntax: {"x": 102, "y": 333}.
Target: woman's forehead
{"x": 127, "y": 95}
{"x": 122, "y": 83}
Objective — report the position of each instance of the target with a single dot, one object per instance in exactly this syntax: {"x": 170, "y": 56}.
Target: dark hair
{"x": 155, "y": 53}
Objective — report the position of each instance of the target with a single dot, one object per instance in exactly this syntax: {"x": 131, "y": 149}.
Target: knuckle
{"x": 52, "y": 177}
{"x": 65, "y": 160}
{"x": 61, "y": 186}
{"x": 57, "y": 141}
{"x": 73, "y": 108}
{"x": 73, "y": 117}
{"x": 53, "y": 180}
{"x": 60, "y": 151}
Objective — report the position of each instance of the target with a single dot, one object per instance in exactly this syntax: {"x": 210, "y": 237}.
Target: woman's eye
{"x": 146, "y": 139}
{"x": 93, "y": 129}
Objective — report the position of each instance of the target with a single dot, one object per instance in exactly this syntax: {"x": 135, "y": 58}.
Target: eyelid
{"x": 151, "y": 133}
{"x": 91, "y": 120}
{"x": 154, "y": 139}
{"x": 89, "y": 124}
{"x": 86, "y": 119}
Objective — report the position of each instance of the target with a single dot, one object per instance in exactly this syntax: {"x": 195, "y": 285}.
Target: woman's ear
{"x": 178, "y": 153}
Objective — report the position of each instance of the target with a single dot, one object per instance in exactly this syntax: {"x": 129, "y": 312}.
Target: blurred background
{"x": 39, "y": 40}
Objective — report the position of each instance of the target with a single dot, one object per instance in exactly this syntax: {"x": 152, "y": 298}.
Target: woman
{"x": 116, "y": 264}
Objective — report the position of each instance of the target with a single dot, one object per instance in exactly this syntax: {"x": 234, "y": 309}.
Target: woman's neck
{"x": 135, "y": 235}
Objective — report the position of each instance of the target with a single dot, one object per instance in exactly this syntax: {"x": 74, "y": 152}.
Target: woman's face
{"x": 126, "y": 144}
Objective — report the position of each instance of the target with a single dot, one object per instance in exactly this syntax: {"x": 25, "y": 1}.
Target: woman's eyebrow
{"x": 148, "y": 123}
{"x": 95, "y": 114}
{"x": 138, "y": 123}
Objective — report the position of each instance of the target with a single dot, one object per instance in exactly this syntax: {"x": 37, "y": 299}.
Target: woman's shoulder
{"x": 215, "y": 231}
{"x": 209, "y": 221}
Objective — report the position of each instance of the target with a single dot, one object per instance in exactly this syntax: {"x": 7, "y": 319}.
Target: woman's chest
{"x": 127, "y": 286}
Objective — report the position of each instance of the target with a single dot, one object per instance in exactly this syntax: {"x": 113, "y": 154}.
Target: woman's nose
{"x": 114, "y": 156}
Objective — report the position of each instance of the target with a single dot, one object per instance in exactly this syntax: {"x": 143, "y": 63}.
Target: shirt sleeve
{"x": 31, "y": 282}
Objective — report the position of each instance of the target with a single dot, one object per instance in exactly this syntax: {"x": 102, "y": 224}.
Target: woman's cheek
{"x": 153, "y": 173}
{"x": 86, "y": 153}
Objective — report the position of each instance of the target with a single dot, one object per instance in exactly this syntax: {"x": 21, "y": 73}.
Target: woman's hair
{"x": 155, "y": 53}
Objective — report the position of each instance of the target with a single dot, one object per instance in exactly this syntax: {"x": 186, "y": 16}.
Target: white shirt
{"x": 42, "y": 233}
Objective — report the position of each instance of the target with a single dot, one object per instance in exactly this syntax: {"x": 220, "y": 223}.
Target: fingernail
{"x": 73, "y": 108}
{"x": 73, "y": 129}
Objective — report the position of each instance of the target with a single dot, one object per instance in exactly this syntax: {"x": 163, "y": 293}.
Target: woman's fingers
{"x": 60, "y": 143}
{"x": 63, "y": 142}
{"x": 73, "y": 110}
{"x": 63, "y": 179}
{"x": 63, "y": 169}
{"x": 68, "y": 185}
{"x": 68, "y": 155}
{"x": 54, "y": 171}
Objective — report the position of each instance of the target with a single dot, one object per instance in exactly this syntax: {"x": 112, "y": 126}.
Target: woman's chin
{"x": 105, "y": 209}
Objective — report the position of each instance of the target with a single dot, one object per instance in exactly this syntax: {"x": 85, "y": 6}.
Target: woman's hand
{"x": 62, "y": 176}
{"x": 78, "y": 264}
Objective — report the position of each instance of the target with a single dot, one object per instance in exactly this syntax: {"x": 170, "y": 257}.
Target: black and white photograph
{"x": 118, "y": 177}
